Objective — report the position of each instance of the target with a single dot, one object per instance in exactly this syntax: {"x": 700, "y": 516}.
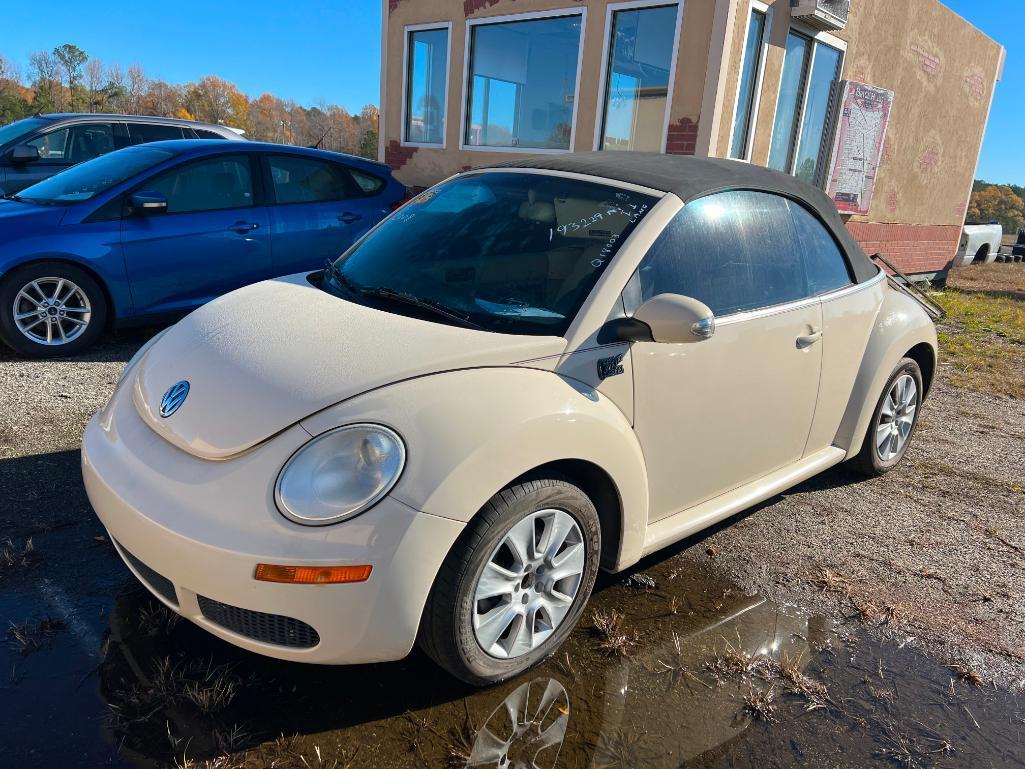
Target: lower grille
{"x": 260, "y": 626}
{"x": 155, "y": 582}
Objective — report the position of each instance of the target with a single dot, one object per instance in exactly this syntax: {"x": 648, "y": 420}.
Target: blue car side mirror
{"x": 148, "y": 202}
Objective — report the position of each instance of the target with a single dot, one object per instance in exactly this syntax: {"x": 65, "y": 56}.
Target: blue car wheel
{"x": 50, "y": 310}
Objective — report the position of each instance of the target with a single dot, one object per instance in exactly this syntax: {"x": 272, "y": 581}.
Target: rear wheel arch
{"x": 925, "y": 356}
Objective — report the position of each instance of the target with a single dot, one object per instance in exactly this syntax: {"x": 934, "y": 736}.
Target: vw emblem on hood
{"x": 174, "y": 398}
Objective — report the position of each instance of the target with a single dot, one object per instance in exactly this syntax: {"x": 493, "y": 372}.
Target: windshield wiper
{"x": 381, "y": 292}
{"x": 12, "y": 196}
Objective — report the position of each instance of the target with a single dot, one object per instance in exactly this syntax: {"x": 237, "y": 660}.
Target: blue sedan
{"x": 154, "y": 231}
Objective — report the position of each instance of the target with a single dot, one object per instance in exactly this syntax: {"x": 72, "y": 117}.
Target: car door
{"x": 59, "y": 149}
{"x": 716, "y": 414}
{"x": 318, "y": 211}
{"x": 213, "y": 238}
{"x": 849, "y": 311}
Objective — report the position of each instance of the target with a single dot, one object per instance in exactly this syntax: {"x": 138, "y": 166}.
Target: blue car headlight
{"x": 340, "y": 474}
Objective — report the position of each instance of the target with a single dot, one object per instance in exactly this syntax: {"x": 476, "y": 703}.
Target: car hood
{"x": 262, "y": 358}
{"x": 15, "y": 213}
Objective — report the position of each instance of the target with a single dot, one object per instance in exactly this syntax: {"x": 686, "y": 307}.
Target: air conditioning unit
{"x": 829, "y": 15}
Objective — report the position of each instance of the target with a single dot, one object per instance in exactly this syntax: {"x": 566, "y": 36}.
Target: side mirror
{"x": 669, "y": 318}
{"x": 148, "y": 202}
{"x": 24, "y": 153}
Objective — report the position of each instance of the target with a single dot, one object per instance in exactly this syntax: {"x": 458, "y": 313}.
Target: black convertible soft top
{"x": 690, "y": 178}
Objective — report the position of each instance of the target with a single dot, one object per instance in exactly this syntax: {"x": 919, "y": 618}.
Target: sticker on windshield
{"x": 516, "y": 310}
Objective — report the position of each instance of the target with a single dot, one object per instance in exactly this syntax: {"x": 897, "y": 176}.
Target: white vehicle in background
{"x": 980, "y": 243}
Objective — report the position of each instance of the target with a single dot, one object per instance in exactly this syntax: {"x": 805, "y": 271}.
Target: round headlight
{"x": 340, "y": 474}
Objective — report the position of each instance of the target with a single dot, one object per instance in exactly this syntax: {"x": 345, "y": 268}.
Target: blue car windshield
{"x": 92, "y": 177}
{"x": 19, "y": 128}
{"x": 503, "y": 251}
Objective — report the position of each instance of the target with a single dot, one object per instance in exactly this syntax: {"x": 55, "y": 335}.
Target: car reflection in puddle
{"x": 690, "y": 673}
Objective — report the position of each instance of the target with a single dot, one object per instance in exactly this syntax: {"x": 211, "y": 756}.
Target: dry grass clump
{"x": 155, "y": 619}
{"x": 985, "y": 339}
{"x": 15, "y": 557}
{"x": 828, "y": 581}
{"x": 966, "y": 673}
{"x": 613, "y": 639}
{"x": 29, "y": 637}
{"x": 759, "y": 703}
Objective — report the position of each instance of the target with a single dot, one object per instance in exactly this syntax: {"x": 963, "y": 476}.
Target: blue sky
{"x": 310, "y": 50}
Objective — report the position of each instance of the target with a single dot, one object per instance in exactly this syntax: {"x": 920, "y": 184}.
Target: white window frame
{"x": 757, "y": 6}
{"x": 447, "y": 26}
{"x": 631, "y": 5}
{"x": 467, "y": 44}
{"x": 816, "y": 37}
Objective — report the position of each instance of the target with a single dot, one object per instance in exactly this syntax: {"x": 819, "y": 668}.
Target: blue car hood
{"x": 14, "y": 214}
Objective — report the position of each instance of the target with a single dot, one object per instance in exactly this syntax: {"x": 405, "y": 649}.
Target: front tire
{"x": 893, "y": 421}
{"x": 515, "y": 583}
{"x": 50, "y": 310}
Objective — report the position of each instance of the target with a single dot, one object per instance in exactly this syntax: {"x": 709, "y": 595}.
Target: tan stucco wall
{"x": 424, "y": 165}
{"x": 941, "y": 70}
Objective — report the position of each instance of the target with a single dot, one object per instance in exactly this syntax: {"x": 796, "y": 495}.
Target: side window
{"x": 307, "y": 180}
{"x": 202, "y": 133}
{"x": 207, "y": 185}
{"x": 370, "y": 185}
{"x": 148, "y": 132}
{"x": 52, "y": 145}
{"x": 734, "y": 251}
{"x": 824, "y": 263}
{"x": 86, "y": 142}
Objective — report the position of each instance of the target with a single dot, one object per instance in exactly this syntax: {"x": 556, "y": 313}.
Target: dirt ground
{"x": 928, "y": 560}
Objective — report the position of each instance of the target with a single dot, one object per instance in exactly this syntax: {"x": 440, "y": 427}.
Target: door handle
{"x": 243, "y": 228}
{"x": 804, "y": 342}
{"x": 348, "y": 217}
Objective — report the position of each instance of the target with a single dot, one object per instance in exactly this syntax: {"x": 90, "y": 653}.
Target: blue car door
{"x": 318, "y": 210}
{"x": 213, "y": 238}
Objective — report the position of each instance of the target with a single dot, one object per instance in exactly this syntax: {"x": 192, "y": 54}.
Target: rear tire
{"x": 890, "y": 431}
{"x": 51, "y": 310}
{"x": 458, "y": 623}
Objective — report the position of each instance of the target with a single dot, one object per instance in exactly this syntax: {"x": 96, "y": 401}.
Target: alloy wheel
{"x": 51, "y": 311}
{"x": 529, "y": 584}
{"x": 897, "y": 418}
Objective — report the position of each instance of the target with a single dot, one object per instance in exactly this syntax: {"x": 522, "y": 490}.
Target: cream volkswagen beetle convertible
{"x": 527, "y": 373}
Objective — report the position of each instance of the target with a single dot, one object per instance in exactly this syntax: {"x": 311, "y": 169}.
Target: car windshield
{"x": 13, "y": 131}
{"x": 504, "y": 251}
{"x": 92, "y": 177}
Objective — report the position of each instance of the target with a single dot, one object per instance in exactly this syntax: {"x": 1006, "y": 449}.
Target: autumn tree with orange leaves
{"x": 67, "y": 79}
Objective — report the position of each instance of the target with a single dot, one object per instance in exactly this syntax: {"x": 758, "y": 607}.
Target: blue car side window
{"x": 207, "y": 185}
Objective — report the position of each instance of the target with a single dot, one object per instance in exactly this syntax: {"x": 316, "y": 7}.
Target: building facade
{"x": 885, "y": 106}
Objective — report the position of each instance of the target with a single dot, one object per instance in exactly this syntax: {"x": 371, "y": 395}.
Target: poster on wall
{"x": 858, "y": 146}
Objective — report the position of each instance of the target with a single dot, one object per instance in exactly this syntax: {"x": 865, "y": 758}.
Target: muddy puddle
{"x": 690, "y": 672}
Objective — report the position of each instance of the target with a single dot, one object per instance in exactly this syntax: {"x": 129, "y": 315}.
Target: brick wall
{"x": 683, "y": 137}
{"x": 912, "y": 248}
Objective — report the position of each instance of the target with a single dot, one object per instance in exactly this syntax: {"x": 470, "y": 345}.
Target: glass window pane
{"x": 734, "y": 251}
{"x": 89, "y": 141}
{"x": 51, "y": 145}
{"x": 305, "y": 180}
{"x": 824, "y": 72}
{"x": 515, "y": 253}
{"x": 522, "y": 83}
{"x": 149, "y": 132}
{"x": 207, "y": 185}
{"x": 369, "y": 184}
{"x": 789, "y": 105}
{"x": 746, "y": 89}
{"x": 425, "y": 85}
{"x": 824, "y": 263}
{"x": 637, "y": 83}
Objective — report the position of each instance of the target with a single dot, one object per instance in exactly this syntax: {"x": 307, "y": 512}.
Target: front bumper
{"x": 193, "y": 530}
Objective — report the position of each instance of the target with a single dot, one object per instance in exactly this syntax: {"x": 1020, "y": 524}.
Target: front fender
{"x": 469, "y": 433}
{"x": 900, "y": 325}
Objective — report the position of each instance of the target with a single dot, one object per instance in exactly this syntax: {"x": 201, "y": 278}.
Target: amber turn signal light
{"x": 312, "y": 575}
